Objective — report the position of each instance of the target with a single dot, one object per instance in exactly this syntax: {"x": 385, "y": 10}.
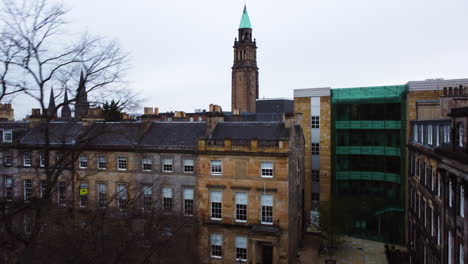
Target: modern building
{"x": 355, "y": 149}
{"x": 315, "y": 107}
{"x": 368, "y": 160}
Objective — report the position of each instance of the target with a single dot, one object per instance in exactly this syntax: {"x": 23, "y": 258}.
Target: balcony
{"x": 256, "y": 226}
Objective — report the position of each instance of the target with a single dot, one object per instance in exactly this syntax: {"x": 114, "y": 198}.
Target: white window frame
{"x": 167, "y": 165}
{"x": 147, "y": 163}
{"x": 437, "y": 136}
{"x": 41, "y": 160}
{"x": 449, "y": 247}
{"x": 189, "y": 201}
{"x": 429, "y": 135}
{"x": 438, "y": 184}
{"x": 438, "y": 230}
{"x": 215, "y": 203}
{"x": 432, "y": 222}
{"x": 216, "y": 240}
{"x": 27, "y": 159}
{"x": 447, "y": 134}
{"x": 168, "y": 199}
{"x": 216, "y": 167}
{"x": 122, "y": 163}
{"x": 187, "y": 163}
{"x": 267, "y": 169}
{"x": 102, "y": 195}
{"x": 83, "y": 161}
{"x": 415, "y": 132}
{"x": 241, "y": 248}
{"x": 315, "y": 121}
{"x": 147, "y": 195}
{"x": 27, "y": 189}
{"x": 462, "y": 200}
{"x": 461, "y": 259}
{"x": 7, "y": 159}
{"x": 9, "y": 191}
{"x": 450, "y": 193}
{"x": 7, "y": 136}
{"x": 101, "y": 161}
{"x": 460, "y": 130}
{"x": 265, "y": 208}
{"x": 239, "y": 203}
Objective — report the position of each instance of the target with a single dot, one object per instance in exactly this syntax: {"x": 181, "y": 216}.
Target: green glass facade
{"x": 368, "y": 160}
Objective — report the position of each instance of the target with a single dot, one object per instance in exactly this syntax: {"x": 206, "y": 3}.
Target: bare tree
{"x": 37, "y": 53}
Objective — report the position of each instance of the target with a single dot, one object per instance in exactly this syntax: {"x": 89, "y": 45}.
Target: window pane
{"x": 167, "y": 193}
{"x": 188, "y": 194}
{"x": 267, "y": 200}
{"x": 241, "y": 198}
{"x": 216, "y": 197}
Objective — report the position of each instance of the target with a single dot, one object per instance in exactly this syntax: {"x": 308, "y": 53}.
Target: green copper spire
{"x": 245, "y": 20}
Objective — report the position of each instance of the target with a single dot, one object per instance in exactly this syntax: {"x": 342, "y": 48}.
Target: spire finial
{"x": 245, "y": 20}
{"x": 66, "y": 112}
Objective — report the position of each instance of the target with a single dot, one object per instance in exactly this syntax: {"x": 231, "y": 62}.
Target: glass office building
{"x": 368, "y": 160}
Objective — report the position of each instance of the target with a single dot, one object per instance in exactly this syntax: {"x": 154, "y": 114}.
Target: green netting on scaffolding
{"x": 368, "y": 159}
{"x": 391, "y": 93}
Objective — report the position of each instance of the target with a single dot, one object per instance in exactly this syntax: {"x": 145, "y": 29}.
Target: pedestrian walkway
{"x": 359, "y": 251}
{"x": 309, "y": 253}
{"x": 352, "y": 251}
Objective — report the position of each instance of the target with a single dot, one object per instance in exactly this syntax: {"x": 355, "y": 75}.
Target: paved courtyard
{"x": 353, "y": 251}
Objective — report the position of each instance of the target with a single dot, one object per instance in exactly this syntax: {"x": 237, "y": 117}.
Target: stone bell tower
{"x": 245, "y": 70}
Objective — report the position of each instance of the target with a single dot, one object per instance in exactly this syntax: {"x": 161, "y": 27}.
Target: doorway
{"x": 267, "y": 254}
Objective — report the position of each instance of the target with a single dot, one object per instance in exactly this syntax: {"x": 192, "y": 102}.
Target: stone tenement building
{"x": 250, "y": 192}
{"x": 244, "y": 69}
{"x": 437, "y": 173}
{"x": 178, "y": 167}
{"x": 355, "y": 144}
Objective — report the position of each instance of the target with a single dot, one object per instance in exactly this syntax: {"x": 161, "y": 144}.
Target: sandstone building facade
{"x": 437, "y": 172}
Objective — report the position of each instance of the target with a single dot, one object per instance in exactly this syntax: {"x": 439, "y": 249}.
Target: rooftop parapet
{"x": 243, "y": 145}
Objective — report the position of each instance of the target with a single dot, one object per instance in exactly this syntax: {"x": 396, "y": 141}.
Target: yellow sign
{"x": 83, "y": 191}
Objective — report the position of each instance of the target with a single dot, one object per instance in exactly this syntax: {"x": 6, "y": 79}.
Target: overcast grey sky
{"x": 181, "y": 50}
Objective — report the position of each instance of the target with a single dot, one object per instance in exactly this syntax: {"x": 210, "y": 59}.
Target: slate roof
{"x": 251, "y": 130}
{"x": 113, "y": 134}
{"x": 18, "y": 128}
{"x": 60, "y": 133}
{"x": 173, "y": 134}
{"x": 268, "y": 117}
{"x": 275, "y": 106}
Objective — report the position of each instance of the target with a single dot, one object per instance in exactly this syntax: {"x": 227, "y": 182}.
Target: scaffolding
{"x": 368, "y": 159}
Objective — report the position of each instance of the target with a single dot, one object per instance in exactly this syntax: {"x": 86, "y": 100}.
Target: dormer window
{"x": 7, "y": 136}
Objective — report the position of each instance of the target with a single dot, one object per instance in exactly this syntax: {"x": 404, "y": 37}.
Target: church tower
{"x": 245, "y": 70}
